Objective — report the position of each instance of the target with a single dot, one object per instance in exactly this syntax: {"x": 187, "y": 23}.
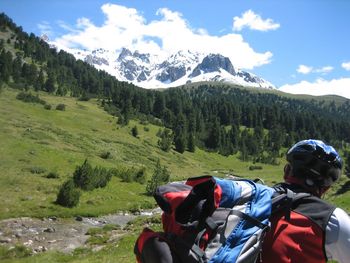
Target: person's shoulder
{"x": 341, "y": 215}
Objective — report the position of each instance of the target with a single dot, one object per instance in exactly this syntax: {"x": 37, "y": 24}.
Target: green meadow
{"x": 35, "y": 141}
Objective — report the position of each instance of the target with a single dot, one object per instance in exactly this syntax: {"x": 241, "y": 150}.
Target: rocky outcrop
{"x": 213, "y": 63}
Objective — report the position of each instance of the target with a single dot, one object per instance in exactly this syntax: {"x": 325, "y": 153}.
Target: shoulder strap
{"x": 284, "y": 198}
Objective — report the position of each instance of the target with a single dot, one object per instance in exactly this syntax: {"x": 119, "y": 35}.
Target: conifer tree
{"x": 166, "y": 139}
{"x": 50, "y": 84}
{"x": 191, "y": 143}
{"x": 134, "y": 131}
{"x": 160, "y": 176}
{"x": 68, "y": 194}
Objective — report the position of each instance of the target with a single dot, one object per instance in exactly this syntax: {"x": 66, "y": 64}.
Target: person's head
{"x": 314, "y": 165}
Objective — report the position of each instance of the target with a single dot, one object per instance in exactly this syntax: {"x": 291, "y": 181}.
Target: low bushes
{"x": 29, "y": 97}
{"x": 86, "y": 178}
{"x": 61, "y": 107}
{"x": 132, "y": 175}
{"x": 52, "y": 175}
{"x": 106, "y": 155}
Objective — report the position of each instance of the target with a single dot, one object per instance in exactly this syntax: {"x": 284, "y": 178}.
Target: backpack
{"x": 207, "y": 219}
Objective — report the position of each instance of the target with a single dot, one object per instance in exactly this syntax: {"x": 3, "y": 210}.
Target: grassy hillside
{"x": 35, "y": 141}
{"x": 327, "y": 98}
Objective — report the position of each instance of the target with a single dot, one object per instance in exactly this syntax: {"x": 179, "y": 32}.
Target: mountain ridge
{"x": 151, "y": 71}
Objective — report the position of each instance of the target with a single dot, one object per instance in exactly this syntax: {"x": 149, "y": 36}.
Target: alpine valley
{"x": 153, "y": 71}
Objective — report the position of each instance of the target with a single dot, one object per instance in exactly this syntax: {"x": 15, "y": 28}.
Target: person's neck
{"x": 297, "y": 185}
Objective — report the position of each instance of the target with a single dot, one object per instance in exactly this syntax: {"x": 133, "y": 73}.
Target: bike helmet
{"x": 318, "y": 163}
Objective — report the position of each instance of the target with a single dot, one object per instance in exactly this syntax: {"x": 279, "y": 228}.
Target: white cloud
{"x": 320, "y": 87}
{"x": 45, "y": 28}
{"x": 324, "y": 70}
{"x": 303, "y": 69}
{"x": 346, "y": 65}
{"x": 126, "y": 27}
{"x": 253, "y": 21}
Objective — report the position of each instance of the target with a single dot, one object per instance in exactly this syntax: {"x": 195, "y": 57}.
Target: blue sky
{"x": 299, "y": 46}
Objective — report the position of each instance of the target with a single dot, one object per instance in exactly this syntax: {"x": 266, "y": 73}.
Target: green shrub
{"x": 18, "y": 251}
{"x": 68, "y": 195}
{"x": 37, "y": 170}
{"x": 255, "y": 167}
{"x": 83, "y": 176}
{"x": 52, "y": 175}
{"x": 28, "y": 97}
{"x": 88, "y": 178}
{"x": 106, "y": 155}
{"x": 126, "y": 175}
{"x": 134, "y": 131}
{"x": 61, "y": 107}
{"x": 140, "y": 176}
{"x": 84, "y": 97}
{"x": 160, "y": 176}
{"x": 47, "y": 107}
{"x": 132, "y": 175}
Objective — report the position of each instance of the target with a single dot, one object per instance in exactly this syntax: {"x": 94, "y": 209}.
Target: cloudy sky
{"x": 299, "y": 46}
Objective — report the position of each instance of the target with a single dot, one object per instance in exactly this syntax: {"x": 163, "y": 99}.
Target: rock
{"x": 5, "y": 240}
{"x": 28, "y": 243}
{"x": 40, "y": 249}
{"x": 50, "y": 230}
{"x": 53, "y": 218}
{"x": 79, "y": 218}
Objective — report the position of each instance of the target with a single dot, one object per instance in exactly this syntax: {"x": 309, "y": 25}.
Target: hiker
{"x": 208, "y": 219}
{"x": 316, "y": 230}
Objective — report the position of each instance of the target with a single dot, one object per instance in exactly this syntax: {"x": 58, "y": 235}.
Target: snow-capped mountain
{"x": 150, "y": 71}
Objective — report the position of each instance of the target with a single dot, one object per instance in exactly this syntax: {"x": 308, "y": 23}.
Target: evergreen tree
{"x": 50, "y": 84}
{"x": 134, "y": 131}
{"x": 160, "y": 176}
{"x": 191, "y": 143}
{"x": 180, "y": 134}
{"x": 213, "y": 138}
{"x": 159, "y": 105}
{"x": 83, "y": 176}
{"x": 68, "y": 194}
{"x": 180, "y": 141}
{"x": 17, "y": 69}
{"x": 5, "y": 66}
{"x": 166, "y": 139}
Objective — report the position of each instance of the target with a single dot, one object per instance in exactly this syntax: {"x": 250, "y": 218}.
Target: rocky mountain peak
{"x": 214, "y": 63}
{"x": 185, "y": 66}
{"x": 124, "y": 53}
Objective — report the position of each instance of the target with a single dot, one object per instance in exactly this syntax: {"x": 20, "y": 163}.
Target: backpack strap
{"x": 249, "y": 218}
{"x": 284, "y": 199}
{"x": 192, "y": 252}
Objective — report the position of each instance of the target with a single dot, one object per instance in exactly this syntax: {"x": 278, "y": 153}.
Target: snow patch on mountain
{"x": 152, "y": 71}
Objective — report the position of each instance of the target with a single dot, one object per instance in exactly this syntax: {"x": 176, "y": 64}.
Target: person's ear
{"x": 287, "y": 169}
{"x": 287, "y": 172}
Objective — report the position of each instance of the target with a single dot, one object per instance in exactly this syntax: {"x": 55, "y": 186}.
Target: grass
{"x": 35, "y": 142}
